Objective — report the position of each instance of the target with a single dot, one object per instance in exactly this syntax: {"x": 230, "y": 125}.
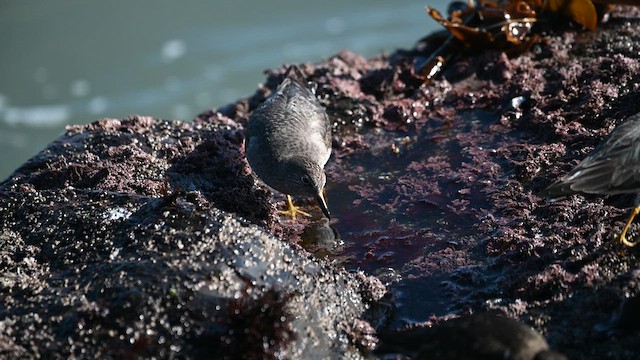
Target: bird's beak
{"x": 323, "y": 204}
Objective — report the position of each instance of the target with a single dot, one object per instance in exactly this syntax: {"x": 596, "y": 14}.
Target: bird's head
{"x": 307, "y": 178}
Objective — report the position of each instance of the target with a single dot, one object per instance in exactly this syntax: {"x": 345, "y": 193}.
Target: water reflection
{"x": 322, "y": 239}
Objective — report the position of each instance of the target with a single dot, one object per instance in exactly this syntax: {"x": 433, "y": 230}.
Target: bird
{"x": 474, "y": 336}
{"x": 612, "y": 168}
{"x": 288, "y": 142}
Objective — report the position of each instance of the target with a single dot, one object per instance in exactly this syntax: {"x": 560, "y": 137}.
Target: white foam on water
{"x": 42, "y": 115}
{"x": 173, "y": 50}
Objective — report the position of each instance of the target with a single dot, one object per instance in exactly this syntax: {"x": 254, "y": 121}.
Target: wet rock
{"x": 124, "y": 237}
{"x": 141, "y": 261}
{"x": 625, "y": 320}
{"x": 441, "y": 182}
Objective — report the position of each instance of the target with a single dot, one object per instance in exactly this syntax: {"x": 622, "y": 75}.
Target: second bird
{"x": 612, "y": 168}
{"x": 288, "y": 141}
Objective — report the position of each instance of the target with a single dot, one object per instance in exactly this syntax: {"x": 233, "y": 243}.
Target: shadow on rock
{"x": 217, "y": 169}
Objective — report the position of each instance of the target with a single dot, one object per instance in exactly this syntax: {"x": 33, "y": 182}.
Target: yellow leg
{"x": 293, "y": 210}
{"x": 325, "y": 196}
{"x": 623, "y": 234}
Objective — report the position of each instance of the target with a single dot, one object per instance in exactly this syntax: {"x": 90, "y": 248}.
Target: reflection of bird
{"x": 612, "y": 168}
{"x": 289, "y": 141}
{"x": 321, "y": 238}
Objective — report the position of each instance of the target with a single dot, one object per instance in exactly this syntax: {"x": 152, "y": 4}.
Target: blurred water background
{"x": 73, "y": 62}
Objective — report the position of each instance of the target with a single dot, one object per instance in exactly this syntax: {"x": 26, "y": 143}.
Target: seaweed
{"x": 512, "y": 26}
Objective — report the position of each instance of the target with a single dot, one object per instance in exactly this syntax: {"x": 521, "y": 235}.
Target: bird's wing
{"x": 302, "y": 102}
{"x": 612, "y": 168}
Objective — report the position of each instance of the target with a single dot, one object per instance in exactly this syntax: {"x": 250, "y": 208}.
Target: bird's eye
{"x": 306, "y": 180}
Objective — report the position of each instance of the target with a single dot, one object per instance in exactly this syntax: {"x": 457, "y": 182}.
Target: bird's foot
{"x": 623, "y": 234}
{"x": 627, "y": 243}
{"x": 293, "y": 210}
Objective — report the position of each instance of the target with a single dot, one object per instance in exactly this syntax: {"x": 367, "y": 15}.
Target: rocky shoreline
{"x": 145, "y": 237}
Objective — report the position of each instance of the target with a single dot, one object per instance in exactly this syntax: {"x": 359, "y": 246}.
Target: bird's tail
{"x": 294, "y": 72}
{"x": 294, "y": 75}
{"x": 557, "y": 190}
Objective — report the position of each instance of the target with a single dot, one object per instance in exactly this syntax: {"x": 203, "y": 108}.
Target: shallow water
{"x": 77, "y": 61}
{"x": 397, "y": 211}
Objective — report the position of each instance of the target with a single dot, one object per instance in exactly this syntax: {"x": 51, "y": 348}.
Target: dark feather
{"x": 612, "y": 168}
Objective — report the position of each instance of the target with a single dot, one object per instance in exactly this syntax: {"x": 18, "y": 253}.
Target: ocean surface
{"x": 74, "y": 62}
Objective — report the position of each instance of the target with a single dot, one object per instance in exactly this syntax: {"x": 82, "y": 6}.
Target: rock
{"x": 102, "y": 258}
{"x": 126, "y": 237}
{"x": 440, "y": 184}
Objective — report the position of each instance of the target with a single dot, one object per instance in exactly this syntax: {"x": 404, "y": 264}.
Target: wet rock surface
{"x": 119, "y": 238}
{"x": 116, "y": 243}
{"x": 437, "y": 188}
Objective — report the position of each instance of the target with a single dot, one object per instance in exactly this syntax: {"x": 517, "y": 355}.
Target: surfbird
{"x": 288, "y": 141}
{"x": 612, "y": 168}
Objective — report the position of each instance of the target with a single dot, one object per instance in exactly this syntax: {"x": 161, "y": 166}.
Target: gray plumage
{"x": 612, "y": 168}
{"x": 288, "y": 139}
